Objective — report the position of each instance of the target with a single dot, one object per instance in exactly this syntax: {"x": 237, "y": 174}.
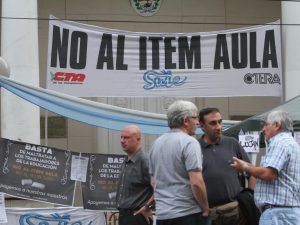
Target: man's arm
{"x": 199, "y": 191}
{"x": 146, "y": 210}
{"x": 251, "y": 182}
{"x": 244, "y": 156}
{"x": 264, "y": 173}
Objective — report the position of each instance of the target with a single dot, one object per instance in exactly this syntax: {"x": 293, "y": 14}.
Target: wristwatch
{"x": 245, "y": 167}
{"x": 148, "y": 206}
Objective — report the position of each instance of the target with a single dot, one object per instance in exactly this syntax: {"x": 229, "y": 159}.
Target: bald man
{"x": 135, "y": 193}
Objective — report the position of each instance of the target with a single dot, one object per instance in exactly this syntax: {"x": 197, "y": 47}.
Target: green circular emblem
{"x": 146, "y": 7}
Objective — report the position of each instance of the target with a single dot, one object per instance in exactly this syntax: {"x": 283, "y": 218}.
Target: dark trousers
{"x": 130, "y": 219}
{"x": 193, "y": 219}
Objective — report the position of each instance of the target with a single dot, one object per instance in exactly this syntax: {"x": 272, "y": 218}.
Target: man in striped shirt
{"x": 277, "y": 190}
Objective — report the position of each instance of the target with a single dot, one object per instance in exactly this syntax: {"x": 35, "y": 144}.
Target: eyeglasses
{"x": 267, "y": 124}
{"x": 194, "y": 117}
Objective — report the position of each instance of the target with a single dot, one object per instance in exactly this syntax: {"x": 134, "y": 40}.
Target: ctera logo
{"x": 67, "y": 77}
{"x": 261, "y": 78}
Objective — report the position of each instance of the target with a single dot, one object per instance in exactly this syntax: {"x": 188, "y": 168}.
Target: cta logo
{"x": 261, "y": 78}
{"x": 69, "y": 78}
{"x": 165, "y": 79}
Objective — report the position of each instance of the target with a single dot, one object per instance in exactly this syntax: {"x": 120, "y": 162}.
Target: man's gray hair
{"x": 179, "y": 110}
{"x": 282, "y": 118}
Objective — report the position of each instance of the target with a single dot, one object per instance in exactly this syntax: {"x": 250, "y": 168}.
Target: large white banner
{"x": 87, "y": 61}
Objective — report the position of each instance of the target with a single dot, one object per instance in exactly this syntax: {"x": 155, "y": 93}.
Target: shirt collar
{"x": 205, "y": 144}
{"x": 174, "y": 130}
{"x": 135, "y": 156}
{"x": 281, "y": 134}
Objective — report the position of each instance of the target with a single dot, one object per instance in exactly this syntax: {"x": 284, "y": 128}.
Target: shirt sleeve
{"x": 193, "y": 156}
{"x": 145, "y": 169}
{"x": 277, "y": 155}
{"x": 150, "y": 164}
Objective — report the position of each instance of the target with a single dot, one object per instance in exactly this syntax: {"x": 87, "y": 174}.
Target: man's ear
{"x": 277, "y": 126}
{"x": 201, "y": 124}
{"x": 185, "y": 119}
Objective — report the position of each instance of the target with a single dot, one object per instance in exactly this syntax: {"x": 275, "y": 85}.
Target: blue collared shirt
{"x": 283, "y": 155}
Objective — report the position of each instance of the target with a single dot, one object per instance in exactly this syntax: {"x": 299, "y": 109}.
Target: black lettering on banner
{"x": 239, "y": 51}
{"x": 155, "y": 52}
{"x": 78, "y": 50}
{"x": 168, "y": 53}
{"x": 270, "y": 50}
{"x": 105, "y": 53}
{"x": 221, "y": 53}
{"x": 59, "y": 47}
{"x": 192, "y": 52}
{"x": 120, "y": 53}
{"x": 253, "y": 60}
{"x": 143, "y": 53}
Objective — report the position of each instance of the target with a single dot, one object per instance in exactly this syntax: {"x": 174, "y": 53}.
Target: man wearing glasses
{"x": 176, "y": 170}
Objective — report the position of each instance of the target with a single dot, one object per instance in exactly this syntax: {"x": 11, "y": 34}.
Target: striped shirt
{"x": 282, "y": 154}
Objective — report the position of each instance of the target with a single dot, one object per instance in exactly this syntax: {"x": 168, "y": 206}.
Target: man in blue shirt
{"x": 277, "y": 190}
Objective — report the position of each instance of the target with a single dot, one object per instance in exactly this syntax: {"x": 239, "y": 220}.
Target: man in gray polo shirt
{"x": 222, "y": 182}
{"x": 175, "y": 168}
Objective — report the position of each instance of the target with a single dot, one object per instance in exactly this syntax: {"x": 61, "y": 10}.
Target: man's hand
{"x": 146, "y": 212}
{"x": 205, "y": 213}
{"x": 264, "y": 173}
{"x": 239, "y": 165}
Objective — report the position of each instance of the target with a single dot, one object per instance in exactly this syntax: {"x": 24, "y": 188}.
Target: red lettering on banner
{"x": 74, "y": 77}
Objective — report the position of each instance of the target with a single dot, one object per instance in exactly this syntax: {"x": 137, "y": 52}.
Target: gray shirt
{"x": 221, "y": 180}
{"x": 172, "y": 156}
{"x": 134, "y": 186}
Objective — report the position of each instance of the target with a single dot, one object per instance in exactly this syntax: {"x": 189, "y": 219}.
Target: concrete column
{"x": 102, "y": 135}
{"x": 291, "y": 48}
{"x": 20, "y": 120}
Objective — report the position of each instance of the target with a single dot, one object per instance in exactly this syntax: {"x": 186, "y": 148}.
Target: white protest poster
{"x": 250, "y": 142}
{"x": 79, "y": 168}
{"x": 89, "y": 61}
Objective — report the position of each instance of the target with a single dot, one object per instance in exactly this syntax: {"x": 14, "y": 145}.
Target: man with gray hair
{"x": 175, "y": 168}
{"x": 277, "y": 190}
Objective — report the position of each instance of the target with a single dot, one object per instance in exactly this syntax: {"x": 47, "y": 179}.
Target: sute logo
{"x": 165, "y": 79}
{"x": 67, "y": 77}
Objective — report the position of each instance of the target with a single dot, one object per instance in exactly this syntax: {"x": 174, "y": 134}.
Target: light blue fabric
{"x": 90, "y": 112}
{"x": 280, "y": 216}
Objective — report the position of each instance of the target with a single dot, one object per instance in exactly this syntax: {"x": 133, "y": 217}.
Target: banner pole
{"x": 46, "y": 127}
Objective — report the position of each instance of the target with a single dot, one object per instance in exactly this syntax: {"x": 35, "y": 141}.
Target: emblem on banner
{"x": 262, "y": 78}
{"x": 67, "y": 78}
{"x": 165, "y": 79}
{"x": 146, "y": 7}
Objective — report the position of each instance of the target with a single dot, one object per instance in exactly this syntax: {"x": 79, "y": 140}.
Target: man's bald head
{"x": 131, "y": 139}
